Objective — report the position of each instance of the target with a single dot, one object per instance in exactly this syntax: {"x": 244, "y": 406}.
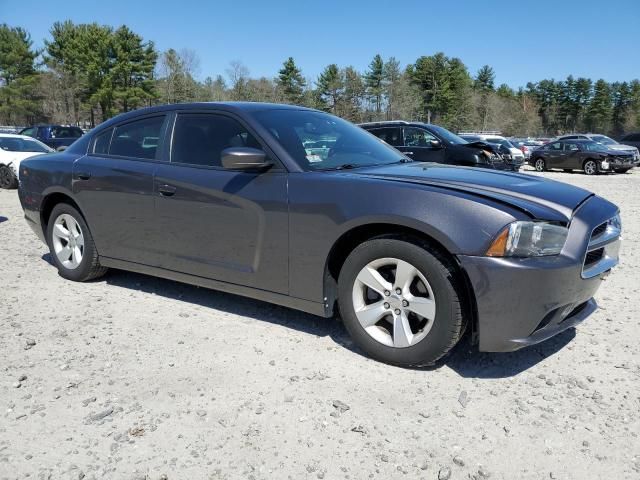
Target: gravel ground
{"x": 135, "y": 377}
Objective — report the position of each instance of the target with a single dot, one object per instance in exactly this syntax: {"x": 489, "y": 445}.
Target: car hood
{"x": 14, "y": 158}
{"x": 538, "y": 197}
{"x": 620, "y": 147}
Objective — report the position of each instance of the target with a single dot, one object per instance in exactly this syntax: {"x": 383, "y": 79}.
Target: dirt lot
{"x": 134, "y": 377}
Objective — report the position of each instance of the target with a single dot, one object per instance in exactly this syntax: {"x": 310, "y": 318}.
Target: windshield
{"x": 594, "y": 147}
{"x": 319, "y": 141}
{"x": 603, "y": 139}
{"x": 447, "y": 136}
{"x": 500, "y": 141}
{"x": 11, "y": 144}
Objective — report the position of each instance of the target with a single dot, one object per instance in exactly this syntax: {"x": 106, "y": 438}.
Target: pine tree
{"x": 600, "y": 108}
{"x": 292, "y": 83}
{"x": 485, "y": 79}
{"x": 331, "y": 88}
{"x": 374, "y": 79}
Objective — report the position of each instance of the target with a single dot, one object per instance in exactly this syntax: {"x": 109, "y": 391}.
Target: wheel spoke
{"x": 65, "y": 253}
{"x": 425, "y": 307}
{"x": 402, "y": 335}
{"x": 76, "y": 256}
{"x": 369, "y": 315}
{"x": 372, "y": 279}
{"x": 405, "y": 273}
{"x": 61, "y": 232}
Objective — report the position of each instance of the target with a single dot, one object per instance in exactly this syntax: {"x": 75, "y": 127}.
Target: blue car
{"x": 57, "y": 137}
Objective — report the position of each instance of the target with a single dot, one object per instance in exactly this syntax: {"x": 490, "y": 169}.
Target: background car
{"x": 526, "y": 145}
{"x": 57, "y": 137}
{"x": 516, "y": 155}
{"x": 581, "y": 154}
{"x": 604, "y": 140}
{"x": 14, "y": 149}
{"x": 432, "y": 143}
{"x": 631, "y": 139}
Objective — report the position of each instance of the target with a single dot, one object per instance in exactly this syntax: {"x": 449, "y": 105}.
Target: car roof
{"x": 15, "y": 135}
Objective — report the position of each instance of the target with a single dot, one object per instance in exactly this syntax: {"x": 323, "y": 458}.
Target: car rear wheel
{"x": 400, "y": 301}
{"x": 7, "y": 178}
{"x": 71, "y": 245}
{"x": 540, "y": 165}
{"x": 590, "y": 167}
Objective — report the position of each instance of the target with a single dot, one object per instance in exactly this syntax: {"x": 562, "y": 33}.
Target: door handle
{"x": 408, "y": 153}
{"x": 83, "y": 175}
{"x": 167, "y": 190}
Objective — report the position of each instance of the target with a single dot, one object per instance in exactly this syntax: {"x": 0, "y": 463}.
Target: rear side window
{"x": 393, "y": 136}
{"x": 199, "y": 139}
{"x": 138, "y": 139}
{"x": 101, "y": 144}
{"x": 66, "y": 132}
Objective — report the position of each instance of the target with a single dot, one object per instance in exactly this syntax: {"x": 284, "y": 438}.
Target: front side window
{"x": 30, "y": 132}
{"x": 138, "y": 139}
{"x": 391, "y": 135}
{"x": 13, "y": 144}
{"x": 66, "y": 132}
{"x": 200, "y": 138}
{"x": 343, "y": 145}
{"x": 417, "y": 137}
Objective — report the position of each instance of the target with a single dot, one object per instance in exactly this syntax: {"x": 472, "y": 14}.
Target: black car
{"x": 57, "y": 137}
{"x": 301, "y": 208}
{"x": 432, "y": 143}
{"x": 632, "y": 139}
{"x": 580, "y": 154}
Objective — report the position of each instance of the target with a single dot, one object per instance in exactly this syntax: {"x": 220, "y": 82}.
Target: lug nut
{"x": 397, "y": 311}
{"x": 386, "y": 305}
{"x": 405, "y": 303}
{"x": 387, "y": 293}
{"x": 398, "y": 291}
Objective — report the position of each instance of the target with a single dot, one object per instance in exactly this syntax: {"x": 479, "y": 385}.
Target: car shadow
{"x": 464, "y": 359}
{"x": 3, "y": 219}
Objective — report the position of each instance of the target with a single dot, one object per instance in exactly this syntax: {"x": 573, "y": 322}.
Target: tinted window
{"x": 555, "y": 146}
{"x": 633, "y": 138}
{"x": 299, "y": 131}
{"x": 137, "y": 139}
{"x": 447, "y": 136}
{"x": 417, "y": 137}
{"x": 101, "y": 144}
{"x": 31, "y": 132}
{"x": 571, "y": 147}
{"x": 12, "y": 144}
{"x": 199, "y": 139}
{"x": 66, "y": 132}
{"x": 393, "y": 135}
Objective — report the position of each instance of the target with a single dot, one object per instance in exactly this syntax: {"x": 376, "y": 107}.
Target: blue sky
{"x": 521, "y": 40}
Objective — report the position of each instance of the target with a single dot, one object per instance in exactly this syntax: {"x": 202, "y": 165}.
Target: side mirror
{"x": 245, "y": 159}
{"x": 61, "y": 148}
{"x": 435, "y": 143}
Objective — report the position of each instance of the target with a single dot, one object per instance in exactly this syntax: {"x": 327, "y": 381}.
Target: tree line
{"x": 87, "y": 73}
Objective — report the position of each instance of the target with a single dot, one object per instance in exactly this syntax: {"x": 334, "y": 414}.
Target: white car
{"x": 516, "y": 154}
{"x": 14, "y": 149}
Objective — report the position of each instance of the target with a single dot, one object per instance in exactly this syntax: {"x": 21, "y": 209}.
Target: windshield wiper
{"x": 344, "y": 166}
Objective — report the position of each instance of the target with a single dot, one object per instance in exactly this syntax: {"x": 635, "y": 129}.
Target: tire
{"x": 590, "y": 167}
{"x": 540, "y": 165}
{"x": 621, "y": 170}
{"x": 429, "y": 339}
{"x": 77, "y": 267}
{"x": 8, "y": 179}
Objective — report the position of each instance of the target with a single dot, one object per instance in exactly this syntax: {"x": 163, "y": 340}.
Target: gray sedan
{"x": 297, "y": 207}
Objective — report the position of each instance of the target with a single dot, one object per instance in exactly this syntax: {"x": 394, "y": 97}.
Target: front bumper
{"x": 523, "y": 301}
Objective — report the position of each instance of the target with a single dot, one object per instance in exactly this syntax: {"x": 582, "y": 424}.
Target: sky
{"x": 522, "y": 40}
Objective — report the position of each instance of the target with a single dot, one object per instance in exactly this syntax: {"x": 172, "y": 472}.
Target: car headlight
{"x": 529, "y": 239}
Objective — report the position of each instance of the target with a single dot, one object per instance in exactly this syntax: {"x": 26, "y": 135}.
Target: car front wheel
{"x": 540, "y": 165}
{"x": 71, "y": 245}
{"x": 590, "y": 167}
{"x": 400, "y": 301}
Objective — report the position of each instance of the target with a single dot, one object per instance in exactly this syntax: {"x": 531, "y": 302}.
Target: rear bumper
{"x": 524, "y": 301}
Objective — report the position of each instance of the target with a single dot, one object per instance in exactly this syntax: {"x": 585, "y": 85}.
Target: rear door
{"x": 113, "y": 184}
{"x": 571, "y": 157}
{"x": 417, "y": 145}
{"x": 553, "y": 155}
{"x": 216, "y": 223}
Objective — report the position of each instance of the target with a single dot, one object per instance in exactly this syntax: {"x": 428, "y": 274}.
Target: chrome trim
{"x": 609, "y": 241}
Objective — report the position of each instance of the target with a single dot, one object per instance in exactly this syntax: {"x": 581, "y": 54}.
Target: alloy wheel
{"x": 394, "y": 302}
{"x": 590, "y": 167}
{"x": 68, "y": 241}
{"x": 540, "y": 165}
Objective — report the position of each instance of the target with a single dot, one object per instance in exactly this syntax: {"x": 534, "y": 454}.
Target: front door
{"x": 114, "y": 187}
{"x": 418, "y": 146}
{"x": 216, "y": 223}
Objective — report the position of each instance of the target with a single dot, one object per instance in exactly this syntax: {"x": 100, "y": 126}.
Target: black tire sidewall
{"x": 84, "y": 269}
{"x": 14, "y": 182}
{"x": 446, "y": 328}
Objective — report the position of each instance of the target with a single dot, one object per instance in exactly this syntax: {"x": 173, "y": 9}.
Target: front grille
{"x": 602, "y": 250}
{"x": 593, "y": 257}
